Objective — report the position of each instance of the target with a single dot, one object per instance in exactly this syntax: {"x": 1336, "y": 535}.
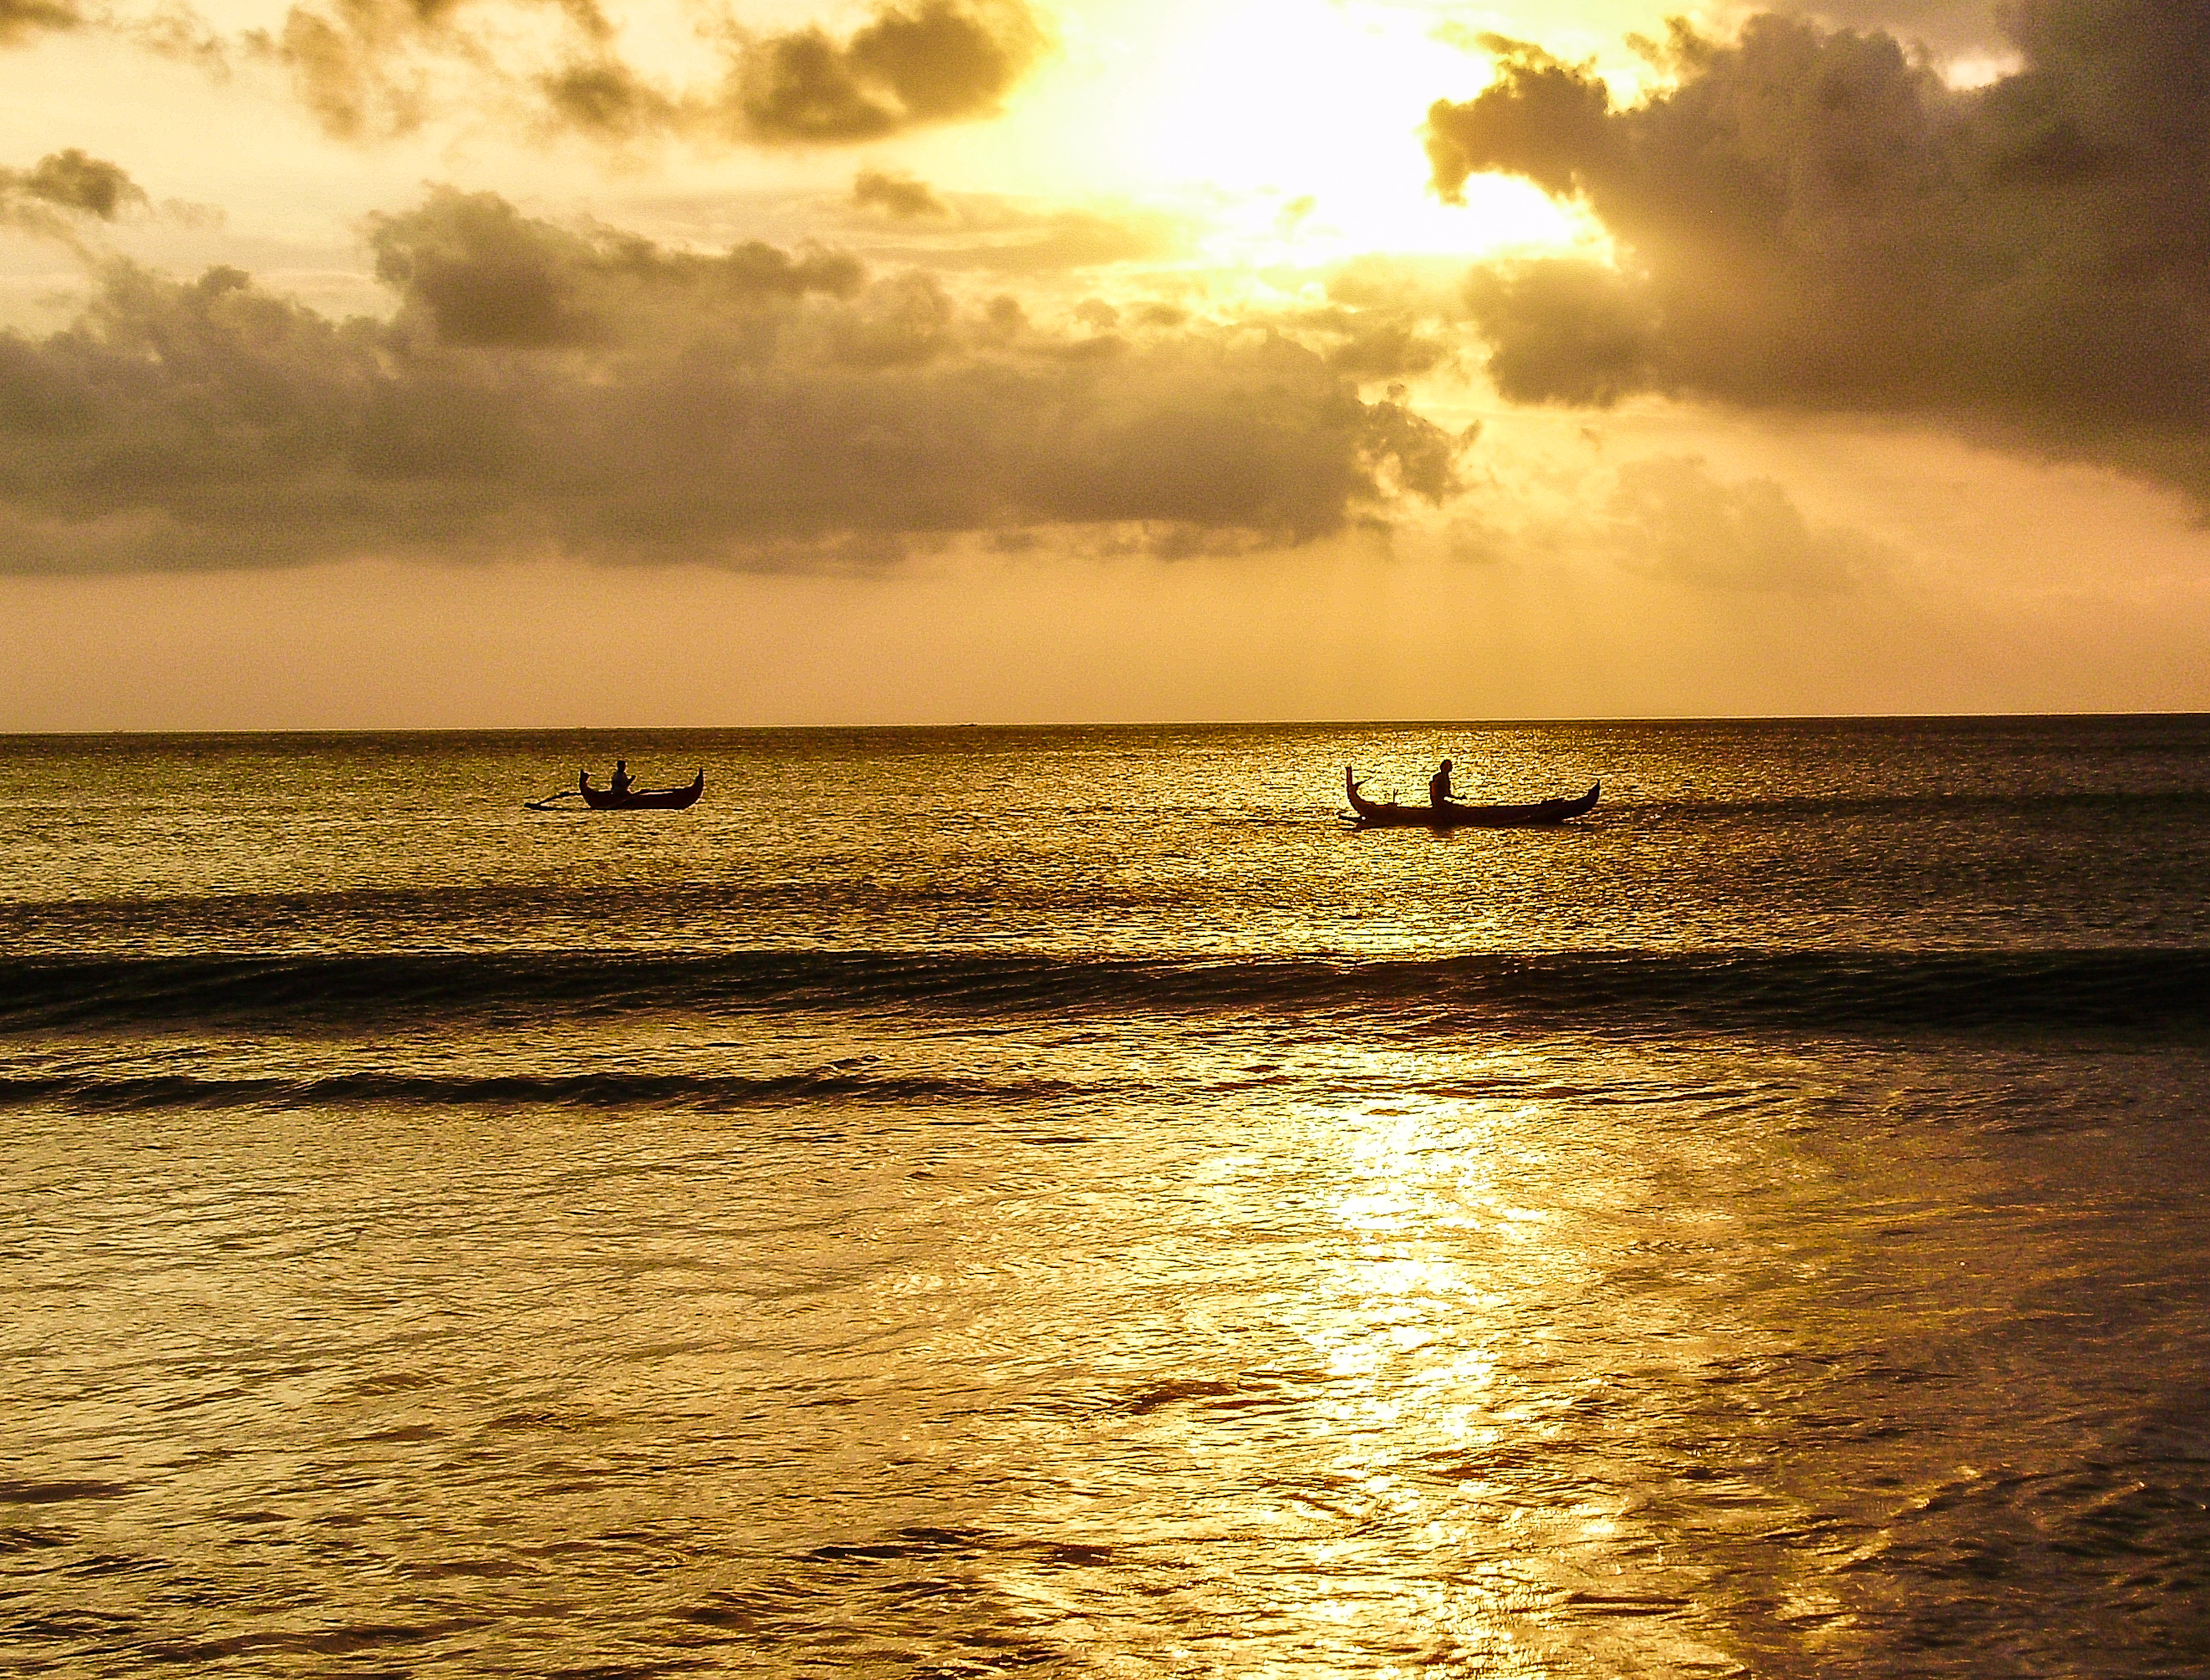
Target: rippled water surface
{"x": 965, "y": 1202}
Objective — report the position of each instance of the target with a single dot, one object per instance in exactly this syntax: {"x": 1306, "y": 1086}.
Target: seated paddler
{"x": 621, "y": 779}
{"x": 1438, "y": 786}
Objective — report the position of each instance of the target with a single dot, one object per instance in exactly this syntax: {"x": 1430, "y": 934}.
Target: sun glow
{"x": 1292, "y": 126}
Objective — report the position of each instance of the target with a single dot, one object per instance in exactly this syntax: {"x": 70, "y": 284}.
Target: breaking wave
{"x": 2161, "y": 990}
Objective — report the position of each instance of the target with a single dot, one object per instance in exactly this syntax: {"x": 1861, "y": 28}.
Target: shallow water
{"x": 968, "y": 1201}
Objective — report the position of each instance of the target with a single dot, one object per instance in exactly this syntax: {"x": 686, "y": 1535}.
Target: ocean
{"x": 1055, "y": 1202}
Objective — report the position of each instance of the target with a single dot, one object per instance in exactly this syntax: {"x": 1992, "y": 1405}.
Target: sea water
{"x": 974, "y": 1201}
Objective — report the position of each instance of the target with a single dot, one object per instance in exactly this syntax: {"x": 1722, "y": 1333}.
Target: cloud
{"x": 1814, "y": 220}
{"x": 896, "y": 218}
{"x": 1552, "y": 502}
{"x": 1013, "y": 242}
{"x": 1669, "y": 518}
{"x": 21, "y": 19}
{"x": 69, "y": 180}
{"x": 1945, "y": 26}
{"x": 472, "y": 271}
{"x": 372, "y": 69}
{"x": 603, "y": 97}
{"x": 940, "y": 63}
{"x": 550, "y": 390}
{"x": 1375, "y": 342}
{"x": 62, "y": 186}
{"x": 1564, "y": 331}
{"x": 900, "y": 196}
{"x": 359, "y": 66}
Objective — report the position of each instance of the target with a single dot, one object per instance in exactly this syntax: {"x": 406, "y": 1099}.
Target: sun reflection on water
{"x": 1416, "y": 1339}
{"x": 1442, "y": 1357}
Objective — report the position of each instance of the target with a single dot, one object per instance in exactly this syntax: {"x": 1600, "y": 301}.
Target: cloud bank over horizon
{"x": 548, "y": 391}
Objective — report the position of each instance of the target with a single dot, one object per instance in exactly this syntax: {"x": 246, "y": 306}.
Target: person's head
{"x": 1447, "y": 764}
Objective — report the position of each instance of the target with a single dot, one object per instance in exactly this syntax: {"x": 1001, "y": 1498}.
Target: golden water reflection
{"x": 1531, "y": 1364}
{"x": 1462, "y": 1304}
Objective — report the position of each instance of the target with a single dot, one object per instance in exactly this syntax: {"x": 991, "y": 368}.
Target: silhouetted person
{"x": 1439, "y": 786}
{"x": 621, "y": 779}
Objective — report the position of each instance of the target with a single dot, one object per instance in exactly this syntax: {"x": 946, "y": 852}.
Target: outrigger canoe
{"x": 1544, "y": 812}
{"x": 643, "y": 799}
{"x": 629, "y": 799}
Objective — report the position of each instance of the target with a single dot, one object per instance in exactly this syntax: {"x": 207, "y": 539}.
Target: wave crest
{"x": 2163, "y": 990}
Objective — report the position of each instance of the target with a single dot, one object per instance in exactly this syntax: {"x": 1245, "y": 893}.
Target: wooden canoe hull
{"x": 1542, "y": 813}
{"x": 653, "y": 799}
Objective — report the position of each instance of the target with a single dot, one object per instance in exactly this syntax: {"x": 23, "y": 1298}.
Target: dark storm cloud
{"x": 544, "y": 390}
{"x": 22, "y": 19}
{"x": 373, "y": 68}
{"x": 1815, "y": 220}
{"x": 61, "y": 186}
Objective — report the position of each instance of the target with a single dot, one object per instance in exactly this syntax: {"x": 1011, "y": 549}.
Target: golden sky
{"x": 392, "y": 363}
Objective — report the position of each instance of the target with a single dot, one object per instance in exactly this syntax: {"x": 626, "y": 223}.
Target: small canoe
{"x": 1374, "y": 813}
{"x": 643, "y": 799}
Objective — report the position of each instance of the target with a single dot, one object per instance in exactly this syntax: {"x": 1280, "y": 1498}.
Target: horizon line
{"x": 1592, "y": 720}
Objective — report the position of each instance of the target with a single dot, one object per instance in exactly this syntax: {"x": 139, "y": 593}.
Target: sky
{"x": 373, "y": 364}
